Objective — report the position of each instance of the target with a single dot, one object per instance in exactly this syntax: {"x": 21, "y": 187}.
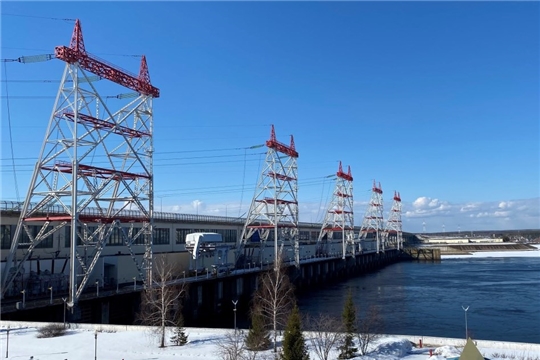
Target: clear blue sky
{"x": 439, "y": 101}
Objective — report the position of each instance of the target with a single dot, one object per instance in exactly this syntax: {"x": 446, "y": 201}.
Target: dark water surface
{"x": 426, "y": 298}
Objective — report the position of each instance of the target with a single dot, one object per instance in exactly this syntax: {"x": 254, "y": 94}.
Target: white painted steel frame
{"x": 394, "y": 225}
{"x": 339, "y": 217}
{"x": 373, "y": 218}
{"x": 274, "y": 205}
{"x": 86, "y": 160}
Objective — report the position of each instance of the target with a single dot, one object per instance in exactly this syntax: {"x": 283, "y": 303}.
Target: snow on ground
{"x": 136, "y": 343}
{"x": 498, "y": 254}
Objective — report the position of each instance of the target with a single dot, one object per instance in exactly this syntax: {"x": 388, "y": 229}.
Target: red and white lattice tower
{"x": 95, "y": 166}
{"x": 340, "y": 216}
{"x": 273, "y": 214}
{"x": 393, "y": 231}
{"x": 372, "y": 225}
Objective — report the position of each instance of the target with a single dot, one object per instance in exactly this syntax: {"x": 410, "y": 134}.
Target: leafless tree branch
{"x": 161, "y": 301}
{"x": 275, "y": 297}
{"x": 369, "y": 327}
{"x": 326, "y": 332}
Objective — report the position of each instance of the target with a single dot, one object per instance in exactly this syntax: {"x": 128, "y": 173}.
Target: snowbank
{"x": 498, "y": 254}
{"x": 115, "y": 342}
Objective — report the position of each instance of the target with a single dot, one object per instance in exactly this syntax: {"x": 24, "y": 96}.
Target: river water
{"x": 426, "y": 299}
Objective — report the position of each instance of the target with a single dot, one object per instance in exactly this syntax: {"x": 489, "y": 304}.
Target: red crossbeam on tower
{"x": 337, "y": 211}
{"x": 280, "y": 176}
{"x": 377, "y": 189}
{"x": 101, "y": 124}
{"x": 280, "y": 147}
{"x": 92, "y": 171}
{"x": 90, "y": 218}
{"x": 341, "y": 174}
{"x": 270, "y": 226}
{"x": 337, "y": 228}
{"x": 275, "y": 201}
{"x": 76, "y": 52}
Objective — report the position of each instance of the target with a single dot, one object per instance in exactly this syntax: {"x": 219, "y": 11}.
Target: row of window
{"x": 6, "y": 232}
{"x": 119, "y": 235}
{"x": 228, "y": 235}
{"x": 162, "y": 236}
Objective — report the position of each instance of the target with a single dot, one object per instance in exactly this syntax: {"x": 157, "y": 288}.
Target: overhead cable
{"x": 11, "y": 137}
{"x": 40, "y": 17}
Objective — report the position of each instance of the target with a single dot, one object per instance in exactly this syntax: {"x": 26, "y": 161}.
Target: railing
{"x": 16, "y": 206}
{"x": 7, "y": 205}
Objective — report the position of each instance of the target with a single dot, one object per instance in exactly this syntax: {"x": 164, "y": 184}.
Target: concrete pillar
{"x": 104, "y": 312}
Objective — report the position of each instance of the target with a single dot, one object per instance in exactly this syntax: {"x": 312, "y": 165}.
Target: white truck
{"x": 202, "y": 242}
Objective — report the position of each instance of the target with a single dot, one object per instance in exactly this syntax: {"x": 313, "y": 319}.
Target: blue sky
{"x": 439, "y": 101}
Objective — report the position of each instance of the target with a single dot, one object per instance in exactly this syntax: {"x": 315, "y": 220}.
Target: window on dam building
{"x": 162, "y": 236}
{"x": 229, "y": 235}
{"x": 6, "y": 232}
{"x": 5, "y": 236}
{"x": 89, "y": 231}
{"x": 304, "y": 236}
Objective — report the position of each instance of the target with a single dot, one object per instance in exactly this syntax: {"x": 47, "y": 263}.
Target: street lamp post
{"x": 23, "y": 292}
{"x": 235, "y": 302}
{"x": 97, "y": 288}
{"x": 51, "y": 290}
{"x": 64, "y": 300}
{"x": 7, "y": 343}
{"x": 184, "y": 272}
{"x": 134, "y": 283}
{"x": 95, "y": 344}
{"x": 466, "y": 330}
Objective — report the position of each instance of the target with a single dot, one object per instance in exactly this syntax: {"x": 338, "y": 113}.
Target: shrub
{"x": 51, "y": 330}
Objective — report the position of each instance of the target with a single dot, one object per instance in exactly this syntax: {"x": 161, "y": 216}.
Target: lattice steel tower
{"x": 273, "y": 213}
{"x": 393, "y": 230}
{"x": 372, "y": 225}
{"x": 340, "y": 215}
{"x": 95, "y": 166}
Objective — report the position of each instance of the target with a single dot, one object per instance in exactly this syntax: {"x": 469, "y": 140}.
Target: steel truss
{"x": 340, "y": 216}
{"x": 372, "y": 224}
{"x": 273, "y": 212}
{"x": 95, "y": 154}
{"x": 393, "y": 231}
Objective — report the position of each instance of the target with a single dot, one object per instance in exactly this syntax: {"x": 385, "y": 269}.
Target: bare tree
{"x": 232, "y": 346}
{"x": 275, "y": 297}
{"x": 160, "y": 302}
{"x": 326, "y": 333}
{"x": 369, "y": 327}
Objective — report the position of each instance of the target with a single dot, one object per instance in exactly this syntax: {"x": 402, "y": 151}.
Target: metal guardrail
{"x": 16, "y": 206}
